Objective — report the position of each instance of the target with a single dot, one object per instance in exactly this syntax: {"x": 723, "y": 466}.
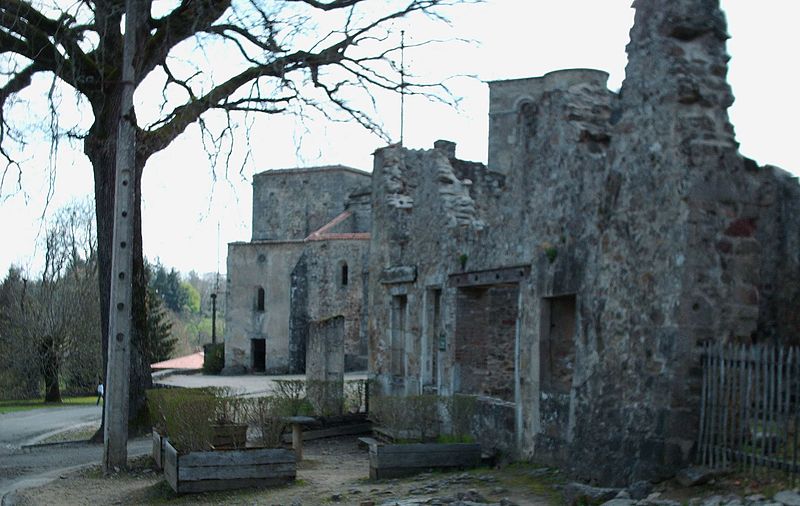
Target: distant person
{"x": 100, "y": 393}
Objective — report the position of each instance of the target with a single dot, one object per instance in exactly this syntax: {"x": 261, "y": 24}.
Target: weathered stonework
{"x": 304, "y": 264}
{"x": 570, "y": 284}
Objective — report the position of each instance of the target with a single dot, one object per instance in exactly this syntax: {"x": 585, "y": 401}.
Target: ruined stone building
{"x": 570, "y": 283}
{"x": 305, "y": 263}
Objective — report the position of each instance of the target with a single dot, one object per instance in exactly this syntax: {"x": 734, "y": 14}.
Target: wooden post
{"x": 115, "y": 435}
{"x": 297, "y": 441}
{"x": 297, "y": 433}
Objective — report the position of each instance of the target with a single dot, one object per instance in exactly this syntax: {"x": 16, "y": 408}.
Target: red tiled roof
{"x": 356, "y": 236}
{"x": 193, "y": 361}
{"x": 323, "y": 235}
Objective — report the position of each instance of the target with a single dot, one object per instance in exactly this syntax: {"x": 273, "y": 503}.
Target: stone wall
{"x": 292, "y": 203}
{"x": 329, "y": 296}
{"x": 632, "y": 231}
{"x": 252, "y": 266}
{"x": 310, "y": 233}
{"x": 325, "y": 360}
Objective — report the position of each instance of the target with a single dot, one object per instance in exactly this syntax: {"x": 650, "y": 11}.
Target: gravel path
{"x": 334, "y": 471}
{"x": 22, "y": 468}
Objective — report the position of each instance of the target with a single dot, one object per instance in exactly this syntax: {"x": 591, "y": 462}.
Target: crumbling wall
{"x": 329, "y": 295}
{"x": 292, "y": 203}
{"x": 779, "y": 236}
{"x": 325, "y": 360}
{"x": 299, "y": 319}
{"x": 633, "y": 214}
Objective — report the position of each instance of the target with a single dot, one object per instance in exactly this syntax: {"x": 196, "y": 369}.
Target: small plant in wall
{"x": 462, "y": 260}
{"x": 550, "y": 251}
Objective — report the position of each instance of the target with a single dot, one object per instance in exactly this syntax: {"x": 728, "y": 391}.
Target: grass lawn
{"x": 12, "y": 406}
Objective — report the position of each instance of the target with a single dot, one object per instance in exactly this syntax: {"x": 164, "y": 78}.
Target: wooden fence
{"x": 750, "y": 407}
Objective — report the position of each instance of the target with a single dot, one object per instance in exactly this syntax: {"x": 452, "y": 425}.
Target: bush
{"x": 213, "y": 358}
{"x": 290, "y": 398}
{"x": 230, "y": 409}
{"x": 326, "y": 397}
{"x": 265, "y": 419}
{"x": 187, "y": 417}
{"x": 413, "y": 417}
{"x": 460, "y": 410}
{"x": 416, "y": 417}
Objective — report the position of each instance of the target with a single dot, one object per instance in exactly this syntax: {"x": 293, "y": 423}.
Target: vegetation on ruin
{"x": 427, "y": 418}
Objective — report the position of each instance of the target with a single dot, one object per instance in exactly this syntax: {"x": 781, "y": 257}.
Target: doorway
{"x": 258, "y": 354}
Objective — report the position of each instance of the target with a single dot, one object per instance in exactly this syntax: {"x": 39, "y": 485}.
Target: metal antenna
{"x": 216, "y": 281}
{"x": 402, "y": 83}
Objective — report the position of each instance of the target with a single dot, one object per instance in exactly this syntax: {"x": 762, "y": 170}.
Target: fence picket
{"x": 701, "y": 437}
{"x": 786, "y": 403}
{"x": 739, "y": 443}
{"x": 764, "y": 402}
{"x": 750, "y": 407}
{"x": 780, "y": 422}
{"x": 774, "y": 407}
{"x": 723, "y": 383}
{"x": 796, "y": 411}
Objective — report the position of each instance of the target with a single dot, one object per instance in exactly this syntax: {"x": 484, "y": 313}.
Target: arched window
{"x": 344, "y": 274}
{"x": 260, "y": 299}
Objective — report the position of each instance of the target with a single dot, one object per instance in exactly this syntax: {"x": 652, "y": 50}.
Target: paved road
{"x": 249, "y": 384}
{"x": 22, "y": 467}
{"x": 28, "y": 427}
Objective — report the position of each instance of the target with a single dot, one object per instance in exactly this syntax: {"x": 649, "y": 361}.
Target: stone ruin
{"x": 571, "y": 282}
{"x": 304, "y": 264}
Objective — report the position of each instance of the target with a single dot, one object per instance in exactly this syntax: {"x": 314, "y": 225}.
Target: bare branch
{"x": 328, "y": 6}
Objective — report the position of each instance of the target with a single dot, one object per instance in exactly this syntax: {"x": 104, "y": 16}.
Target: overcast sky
{"x": 183, "y": 208}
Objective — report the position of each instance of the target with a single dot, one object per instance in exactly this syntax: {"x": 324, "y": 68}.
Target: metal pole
{"x": 115, "y": 440}
{"x": 213, "y": 318}
{"x": 402, "y": 83}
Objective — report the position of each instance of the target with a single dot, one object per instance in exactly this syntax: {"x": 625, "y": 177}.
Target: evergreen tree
{"x": 159, "y": 339}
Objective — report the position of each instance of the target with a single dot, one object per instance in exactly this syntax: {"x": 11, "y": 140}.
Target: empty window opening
{"x": 557, "y": 346}
{"x": 258, "y": 355}
{"x": 398, "y": 335}
{"x": 344, "y": 274}
{"x": 434, "y": 336}
{"x": 260, "y": 295}
{"x": 485, "y": 336}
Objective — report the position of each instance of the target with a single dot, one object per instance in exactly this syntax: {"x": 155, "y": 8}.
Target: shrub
{"x": 213, "y": 358}
{"x": 290, "y": 398}
{"x": 187, "y": 416}
{"x": 411, "y": 417}
{"x": 265, "y": 419}
{"x": 230, "y": 409}
{"x": 326, "y": 397}
{"x": 460, "y": 410}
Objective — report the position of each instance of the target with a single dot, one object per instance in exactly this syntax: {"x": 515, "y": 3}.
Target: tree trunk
{"x": 49, "y": 361}
{"x": 100, "y": 147}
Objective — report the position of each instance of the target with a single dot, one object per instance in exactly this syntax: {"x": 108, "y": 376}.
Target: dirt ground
{"x": 334, "y": 471}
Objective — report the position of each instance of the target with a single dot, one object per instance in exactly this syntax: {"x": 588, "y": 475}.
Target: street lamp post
{"x": 213, "y": 318}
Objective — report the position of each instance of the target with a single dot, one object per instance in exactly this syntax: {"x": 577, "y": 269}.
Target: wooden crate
{"x": 396, "y": 460}
{"x": 228, "y": 469}
{"x": 158, "y": 449}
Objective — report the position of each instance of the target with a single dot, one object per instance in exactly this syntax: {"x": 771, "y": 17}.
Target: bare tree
{"x": 212, "y": 59}
{"x": 55, "y": 319}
